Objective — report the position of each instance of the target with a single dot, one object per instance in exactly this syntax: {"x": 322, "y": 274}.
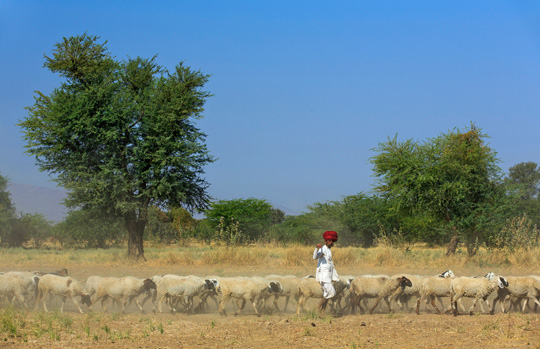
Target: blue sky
{"x": 303, "y": 90}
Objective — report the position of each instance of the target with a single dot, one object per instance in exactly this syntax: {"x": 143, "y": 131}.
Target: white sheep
{"x": 435, "y": 287}
{"x": 124, "y": 290}
{"x": 63, "y": 286}
{"x": 403, "y": 297}
{"x": 244, "y": 289}
{"x": 519, "y": 287}
{"x": 182, "y": 288}
{"x": 378, "y": 288}
{"x": 92, "y": 284}
{"x": 14, "y": 287}
{"x": 311, "y": 288}
{"x": 289, "y": 284}
{"x": 30, "y": 292}
{"x": 477, "y": 288}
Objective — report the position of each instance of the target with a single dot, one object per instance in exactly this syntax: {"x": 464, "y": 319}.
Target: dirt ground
{"x": 209, "y": 329}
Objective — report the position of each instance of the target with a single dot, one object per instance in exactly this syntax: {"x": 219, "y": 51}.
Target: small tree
{"x": 7, "y": 210}
{"x": 252, "y": 217}
{"x": 90, "y": 228}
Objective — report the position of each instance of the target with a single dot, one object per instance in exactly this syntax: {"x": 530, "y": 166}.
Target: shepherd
{"x": 326, "y": 272}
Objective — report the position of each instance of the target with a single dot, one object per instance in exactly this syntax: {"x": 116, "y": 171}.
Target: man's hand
{"x": 319, "y": 245}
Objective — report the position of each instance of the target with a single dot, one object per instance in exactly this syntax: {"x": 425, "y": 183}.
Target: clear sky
{"x": 303, "y": 89}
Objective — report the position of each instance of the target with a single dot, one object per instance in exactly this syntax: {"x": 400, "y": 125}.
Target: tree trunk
{"x": 452, "y": 246}
{"x": 135, "y": 227}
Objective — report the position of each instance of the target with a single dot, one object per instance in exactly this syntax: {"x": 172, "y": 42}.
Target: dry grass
{"x": 416, "y": 257}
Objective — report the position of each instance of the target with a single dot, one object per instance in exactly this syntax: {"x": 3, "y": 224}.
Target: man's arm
{"x": 318, "y": 251}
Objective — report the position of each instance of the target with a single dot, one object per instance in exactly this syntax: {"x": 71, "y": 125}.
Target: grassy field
{"x": 297, "y": 256}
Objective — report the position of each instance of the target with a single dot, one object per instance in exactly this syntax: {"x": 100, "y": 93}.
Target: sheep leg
{"x": 159, "y": 300}
{"x": 103, "y": 302}
{"x": 63, "y": 302}
{"x": 20, "y": 298}
{"x": 485, "y": 299}
{"x": 440, "y": 302}
{"x": 276, "y": 297}
{"x": 532, "y": 298}
{"x": 241, "y": 303}
{"x": 420, "y": 299}
{"x": 222, "y": 304}
{"x": 300, "y": 305}
{"x": 254, "y": 303}
{"x": 44, "y": 296}
{"x": 454, "y": 299}
{"x": 76, "y": 304}
{"x": 287, "y": 298}
{"x": 139, "y": 305}
{"x": 471, "y": 309}
{"x": 359, "y": 300}
{"x": 375, "y": 306}
{"x": 435, "y": 306}
{"x": 389, "y": 305}
{"x": 38, "y": 299}
{"x": 189, "y": 305}
{"x": 146, "y": 298}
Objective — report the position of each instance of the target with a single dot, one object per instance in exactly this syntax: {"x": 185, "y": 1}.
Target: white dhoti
{"x": 328, "y": 290}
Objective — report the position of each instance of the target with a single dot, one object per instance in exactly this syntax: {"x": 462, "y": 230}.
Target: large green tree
{"x": 120, "y": 135}
{"x": 453, "y": 178}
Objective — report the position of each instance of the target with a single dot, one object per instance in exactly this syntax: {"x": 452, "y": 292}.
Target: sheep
{"x": 311, "y": 288}
{"x": 184, "y": 288}
{"x": 433, "y": 287}
{"x": 527, "y": 287}
{"x": 92, "y": 284}
{"x": 63, "y": 286}
{"x": 30, "y": 292}
{"x": 378, "y": 288}
{"x": 477, "y": 288}
{"x": 244, "y": 289}
{"x": 289, "y": 284}
{"x": 14, "y": 287}
{"x": 402, "y": 297}
{"x": 277, "y": 290}
{"x": 125, "y": 290}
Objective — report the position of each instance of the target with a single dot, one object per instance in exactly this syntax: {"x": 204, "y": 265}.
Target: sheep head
{"x": 502, "y": 282}
{"x": 211, "y": 284}
{"x": 149, "y": 284}
{"x": 85, "y": 299}
{"x": 404, "y": 282}
{"x": 447, "y": 274}
{"x": 275, "y": 286}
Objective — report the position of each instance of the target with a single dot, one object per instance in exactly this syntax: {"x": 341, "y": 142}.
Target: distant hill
{"x": 35, "y": 199}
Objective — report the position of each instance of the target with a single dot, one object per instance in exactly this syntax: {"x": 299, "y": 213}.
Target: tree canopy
{"x": 453, "y": 178}
{"x": 120, "y": 135}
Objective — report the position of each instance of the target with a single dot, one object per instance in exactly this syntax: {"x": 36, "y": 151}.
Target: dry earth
{"x": 135, "y": 330}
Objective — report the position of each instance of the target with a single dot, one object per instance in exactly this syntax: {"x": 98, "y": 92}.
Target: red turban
{"x": 330, "y": 235}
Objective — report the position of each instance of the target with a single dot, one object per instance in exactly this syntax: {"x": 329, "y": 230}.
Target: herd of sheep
{"x": 180, "y": 292}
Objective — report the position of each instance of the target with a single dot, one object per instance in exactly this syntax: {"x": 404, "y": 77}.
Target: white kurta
{"x": 326, "y": 272}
